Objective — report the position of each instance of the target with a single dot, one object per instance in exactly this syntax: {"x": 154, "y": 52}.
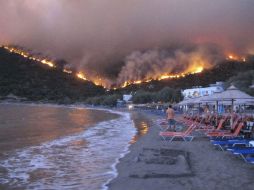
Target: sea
{"x": 61, "y": 147}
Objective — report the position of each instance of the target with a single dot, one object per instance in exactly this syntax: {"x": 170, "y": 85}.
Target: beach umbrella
{"x": 232, "y": 94}
{"x": 186, "y": 102}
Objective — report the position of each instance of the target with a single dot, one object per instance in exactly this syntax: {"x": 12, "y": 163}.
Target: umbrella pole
{"x": 232, "y": 111}
{"x": 217, "y": 104}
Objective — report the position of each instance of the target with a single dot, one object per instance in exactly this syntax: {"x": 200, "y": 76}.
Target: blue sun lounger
{"x": 243, "y": 152}
{"x": 230, "y": 143}
{"x": 226, "y": 139}
{"x": 250, "y": 160}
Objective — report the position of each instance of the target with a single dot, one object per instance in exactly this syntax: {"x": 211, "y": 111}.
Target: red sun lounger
{"x": 184, "y": 135}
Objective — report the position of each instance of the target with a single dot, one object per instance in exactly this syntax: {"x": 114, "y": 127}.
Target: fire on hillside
{"x": 196, "y": 68}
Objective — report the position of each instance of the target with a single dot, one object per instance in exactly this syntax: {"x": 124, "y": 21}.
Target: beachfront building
{"x": 125, "y": 101}
{"x": 203, "y": 91}
{"x": 127, "y": 97}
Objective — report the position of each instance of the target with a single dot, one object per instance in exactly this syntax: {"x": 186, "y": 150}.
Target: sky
{"x": 116, "y": 39}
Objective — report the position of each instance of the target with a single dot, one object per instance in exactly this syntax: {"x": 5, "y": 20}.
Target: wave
{"x": 81, "y": 161}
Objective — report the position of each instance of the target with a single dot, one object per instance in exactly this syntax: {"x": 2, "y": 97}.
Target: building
{"x": 127, "y": 97}
{"x": 203, "y": 91}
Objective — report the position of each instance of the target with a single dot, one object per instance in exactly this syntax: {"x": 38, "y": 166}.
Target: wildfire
{"x": 98, "y": 81}
{"x": 234, "y": 57}
{"x": 197, "y": 67}
{"x": 41, "y": 60}
{"x": 198, "y": 70}
{"x": 81, "y": 76}
{"x": 46, "y": 62}
{"x": 67, "y": 71}
{"x": 137, "y": 82}
{"x": 195, "y": 70}
{"x": 27, "y": 55}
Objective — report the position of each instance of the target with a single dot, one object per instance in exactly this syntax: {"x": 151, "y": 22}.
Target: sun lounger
{"x": 184, "y": 135}
{"x": 230, "y": 143}
{"x": 227, "y": 134}
{"x": 243, "y": 152}
{"x": 218, "y": 129}
{"x": 250, "y": 160}
{"x": 211, "y": 128}
{"x": 226, "y": 139}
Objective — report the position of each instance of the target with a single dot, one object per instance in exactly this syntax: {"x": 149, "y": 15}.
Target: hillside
{"x": 26, "y": 78}
{"x": 221, "y": 72}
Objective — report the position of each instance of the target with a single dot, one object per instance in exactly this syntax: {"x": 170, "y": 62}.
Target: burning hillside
{"x": 134, "y": 42}
{"x": 43, "y": 61}
{"x": 143, "y": 67}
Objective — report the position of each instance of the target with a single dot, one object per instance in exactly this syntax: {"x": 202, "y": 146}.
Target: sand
{"x": 153, "y": 164}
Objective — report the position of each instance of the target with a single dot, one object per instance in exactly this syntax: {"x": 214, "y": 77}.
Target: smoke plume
{"x": 152, "y": 64}
{"x": 107, "y": 38}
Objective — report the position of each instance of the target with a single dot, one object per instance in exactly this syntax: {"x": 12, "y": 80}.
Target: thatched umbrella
{"x": 232, "y": 94}
{"x": 186, "y": 102}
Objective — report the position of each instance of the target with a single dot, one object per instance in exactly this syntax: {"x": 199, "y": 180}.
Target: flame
{"x": 197, "y": 67}
{"x": 198, "y": 70}
{"x": 194, "y": 70}
{"x": 125, "y": 84}
{"x": 81, "y": 76}
{"x": 235, "y": 57}
{"x": 67, "y": 71}
{"x": 137, "y": 82}
{"x": 46, "y": 62}
{"x": 27, "y": 55}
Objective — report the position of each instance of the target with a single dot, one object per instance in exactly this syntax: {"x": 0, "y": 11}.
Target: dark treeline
{"x": 36, "y": 82}
{"x": 166, "y": 94}
{"x": 139, "y": 97}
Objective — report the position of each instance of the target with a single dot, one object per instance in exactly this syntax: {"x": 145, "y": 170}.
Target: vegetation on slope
{"x": 26, "y": 78}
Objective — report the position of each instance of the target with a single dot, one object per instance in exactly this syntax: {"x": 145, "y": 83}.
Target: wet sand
{"x": 153, "y": 164}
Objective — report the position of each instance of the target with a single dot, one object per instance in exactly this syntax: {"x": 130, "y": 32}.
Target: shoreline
{"x": 190, "y": 165}
{"x": 122, "y": 117}
{"x": 108, "y": 115}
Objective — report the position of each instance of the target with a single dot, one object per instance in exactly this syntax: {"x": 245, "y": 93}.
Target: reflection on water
{"x": 79, "y": 159}
{"x": 142, "y": 125}
{"x": 22, "y": 126}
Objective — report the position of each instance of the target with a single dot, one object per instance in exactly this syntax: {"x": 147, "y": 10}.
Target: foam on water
{"x": 81, "y": 161}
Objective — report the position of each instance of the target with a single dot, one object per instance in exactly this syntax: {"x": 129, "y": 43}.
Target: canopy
{"x": 231, "y": 94}
{"x": 186, "y": 102}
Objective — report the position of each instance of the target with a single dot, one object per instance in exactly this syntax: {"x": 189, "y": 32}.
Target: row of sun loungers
{"x": 237, "y": 146}
{"x": 198, "y": 124}
{"x": 229, "y": 140}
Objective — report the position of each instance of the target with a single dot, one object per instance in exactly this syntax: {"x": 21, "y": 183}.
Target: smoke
{"x": 106, "y": 37}
{"x": 151, "y": 64}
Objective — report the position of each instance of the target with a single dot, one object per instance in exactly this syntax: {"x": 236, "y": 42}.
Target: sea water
{"x": 79, "y": 158}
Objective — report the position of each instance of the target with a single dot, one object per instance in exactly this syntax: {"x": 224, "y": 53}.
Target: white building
{"x": 203, "y": 91}
{"x": 127, "y": 97}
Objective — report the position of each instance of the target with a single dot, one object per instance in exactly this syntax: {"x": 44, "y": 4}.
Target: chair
{"x": 184, "y": 135}
{"x": 250, "y": 160}
{"x": 220, "y": 125}
{"x": 218, "y": 130}
{"x": 243, "y": 152}
{"x": 227, "y": 134}
{"x": 229, "y": 143}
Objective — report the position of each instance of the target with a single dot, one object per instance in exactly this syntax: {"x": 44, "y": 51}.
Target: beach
{"x": 178, "y": 165}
